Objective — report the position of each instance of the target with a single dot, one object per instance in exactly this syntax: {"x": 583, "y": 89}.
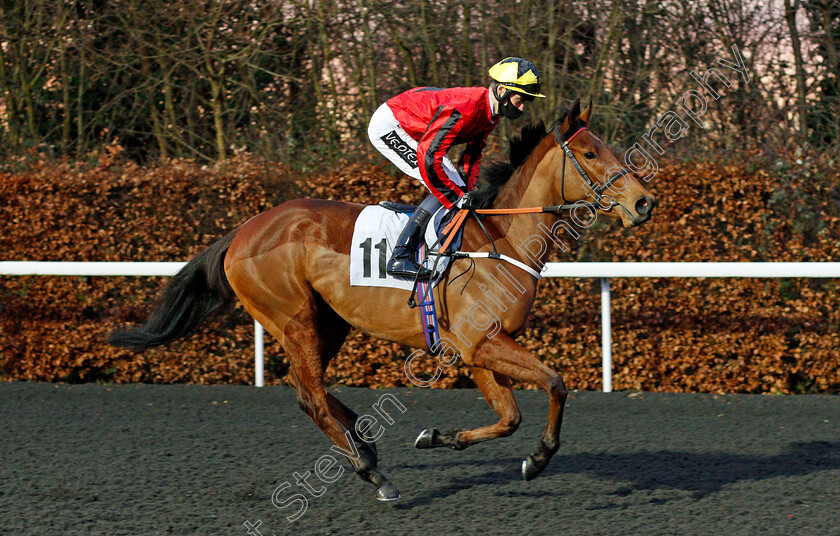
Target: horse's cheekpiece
{"x": 374, "y": 235}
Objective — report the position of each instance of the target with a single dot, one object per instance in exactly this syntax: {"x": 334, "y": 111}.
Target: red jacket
{"x": 438, "y": 119}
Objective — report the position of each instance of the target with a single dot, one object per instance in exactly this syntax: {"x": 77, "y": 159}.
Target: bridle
{"x": 596, "y": 189}
{"x": 458, "y": 220}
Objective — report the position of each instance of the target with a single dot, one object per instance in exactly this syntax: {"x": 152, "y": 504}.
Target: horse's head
{"x": 587, "y": 171}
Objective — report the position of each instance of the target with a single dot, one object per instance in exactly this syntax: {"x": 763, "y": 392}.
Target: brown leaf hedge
{"x": 682, "y": 335}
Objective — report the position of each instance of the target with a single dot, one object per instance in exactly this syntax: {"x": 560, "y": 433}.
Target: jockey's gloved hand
{"x": 467, "y": 202}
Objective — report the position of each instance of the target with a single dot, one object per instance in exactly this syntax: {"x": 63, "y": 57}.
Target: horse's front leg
{"x": 504, "y": 355}
{"x": 497, "y": 390}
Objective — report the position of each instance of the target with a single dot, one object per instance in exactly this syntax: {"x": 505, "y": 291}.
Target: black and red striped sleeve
{"x": 432, "y": 148}
{"x": 470, "y": 160}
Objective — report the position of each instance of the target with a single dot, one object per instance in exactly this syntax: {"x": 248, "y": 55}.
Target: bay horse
{"x": 289, "y": 266}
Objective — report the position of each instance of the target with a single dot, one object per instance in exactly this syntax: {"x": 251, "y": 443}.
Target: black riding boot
{"x": 402, "y": 262}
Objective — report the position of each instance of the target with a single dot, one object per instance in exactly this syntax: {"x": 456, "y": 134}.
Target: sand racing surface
{"x": 182, "y": 459}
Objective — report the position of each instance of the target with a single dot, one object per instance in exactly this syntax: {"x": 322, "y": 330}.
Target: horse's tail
{"x": 192, "y": 295}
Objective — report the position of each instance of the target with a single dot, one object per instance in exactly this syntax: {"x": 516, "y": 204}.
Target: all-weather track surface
{"x": 178, "y": 459}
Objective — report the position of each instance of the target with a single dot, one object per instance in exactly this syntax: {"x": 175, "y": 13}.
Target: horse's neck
{"x": 530, "y": 186}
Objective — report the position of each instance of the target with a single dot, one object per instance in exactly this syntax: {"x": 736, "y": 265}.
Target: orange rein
{"x": 455, "y": 223}
{"x": 452, "y": 227}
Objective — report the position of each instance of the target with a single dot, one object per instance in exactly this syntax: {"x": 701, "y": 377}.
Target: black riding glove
{"x": 467, "y": 202}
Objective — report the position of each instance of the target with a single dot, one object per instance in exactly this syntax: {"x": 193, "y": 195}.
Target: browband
{"x": 581, "y": 129}
{"x": 566, "y": 137}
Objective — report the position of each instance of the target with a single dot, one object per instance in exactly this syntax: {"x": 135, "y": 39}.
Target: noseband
{"x": 595, "y": 188}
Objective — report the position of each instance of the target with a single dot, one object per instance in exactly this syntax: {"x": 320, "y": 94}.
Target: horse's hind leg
{"x": 348, "y": 418}
{"x": 499, "y": 394}
{"x": 309, "y": 349}
{"x": 333, "y": 330}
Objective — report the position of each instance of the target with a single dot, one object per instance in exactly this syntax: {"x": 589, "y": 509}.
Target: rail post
{"x": 606, "y": 335}
{"x": 259, "y": 354}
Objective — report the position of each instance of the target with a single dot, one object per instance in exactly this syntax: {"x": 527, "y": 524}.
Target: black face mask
{"x": 509, "y": 110}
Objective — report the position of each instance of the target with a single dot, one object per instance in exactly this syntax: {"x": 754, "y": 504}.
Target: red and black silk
{"x": 438, "y": 119}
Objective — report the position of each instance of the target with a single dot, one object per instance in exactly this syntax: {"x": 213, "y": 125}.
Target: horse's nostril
{"x": 643, "y": 206}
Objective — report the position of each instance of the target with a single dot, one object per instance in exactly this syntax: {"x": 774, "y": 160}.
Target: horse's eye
{"x": 590, "y": 155}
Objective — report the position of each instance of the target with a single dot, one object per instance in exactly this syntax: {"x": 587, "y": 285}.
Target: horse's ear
{"x": 575, "y": 113}
{"x": 568, "y": 117}
{"x": 584, "y": 115}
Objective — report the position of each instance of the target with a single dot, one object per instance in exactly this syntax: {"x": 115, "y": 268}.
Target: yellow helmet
{"x": 518, "y": 75}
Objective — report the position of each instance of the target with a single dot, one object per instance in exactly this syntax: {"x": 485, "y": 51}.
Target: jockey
{"x": 415, "y": 129}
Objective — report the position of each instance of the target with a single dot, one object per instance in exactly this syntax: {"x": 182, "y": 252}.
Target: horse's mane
{"x": 496, "y": 175}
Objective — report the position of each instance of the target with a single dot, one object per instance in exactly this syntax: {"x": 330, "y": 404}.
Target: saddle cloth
{"x": 374, "y": 237}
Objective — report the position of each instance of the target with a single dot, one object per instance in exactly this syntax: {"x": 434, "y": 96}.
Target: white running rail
{"x": 602, "y": 270}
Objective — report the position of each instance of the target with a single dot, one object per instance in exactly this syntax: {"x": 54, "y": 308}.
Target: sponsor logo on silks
{"x": 393, "y": 140}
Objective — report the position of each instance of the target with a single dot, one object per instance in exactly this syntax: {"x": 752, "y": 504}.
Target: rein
{"x": 451, "y": 229}
{"x": 598, "y": 190}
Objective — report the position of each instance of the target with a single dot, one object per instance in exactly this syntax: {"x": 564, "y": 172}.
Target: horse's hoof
{"x": 427, "y": 439}
{"x": 530, "y": 469}
{"x": 387, "y": 492}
